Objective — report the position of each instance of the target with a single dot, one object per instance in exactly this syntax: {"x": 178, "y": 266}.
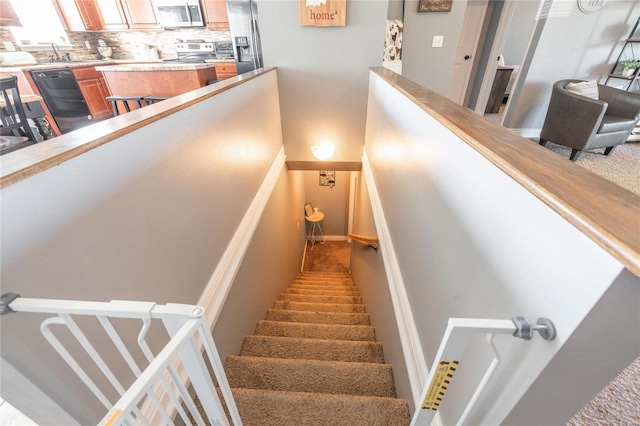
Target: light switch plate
{"x": 87, "y": 45}
{"x": 9, "y": 46}
{"x": 438, "y": 41}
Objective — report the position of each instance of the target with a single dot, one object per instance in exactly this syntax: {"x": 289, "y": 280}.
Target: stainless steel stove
{"x": 199, "y": 51}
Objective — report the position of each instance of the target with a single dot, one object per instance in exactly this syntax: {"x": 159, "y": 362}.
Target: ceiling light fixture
{"x": 323, "y": 152}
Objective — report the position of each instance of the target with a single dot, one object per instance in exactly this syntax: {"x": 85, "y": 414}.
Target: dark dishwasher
{"x": 63, "y": 97}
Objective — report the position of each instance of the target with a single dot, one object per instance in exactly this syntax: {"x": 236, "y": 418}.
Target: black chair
{"x": 583, "y": 123}
{"x": 124, "y": 102}
{"x": 152, "y": 99}
{"x": 15, "y": 132}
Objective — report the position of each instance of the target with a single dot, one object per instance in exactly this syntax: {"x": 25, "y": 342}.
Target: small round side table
{"x": 315, "y": 219}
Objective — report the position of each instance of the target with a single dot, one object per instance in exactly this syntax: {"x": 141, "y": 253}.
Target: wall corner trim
{"x": 219, "y": 285}
{"x": 417, "y": 368}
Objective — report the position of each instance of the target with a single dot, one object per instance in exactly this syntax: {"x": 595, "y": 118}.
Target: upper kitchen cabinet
{"x": 8, "y": 16}
{"x": 113, "y": 15}
{"x": 97, "y": 15}
{"x": 81, "y": 15}
{"x": 215, "y": 14}
{"x": 141, "y": 14}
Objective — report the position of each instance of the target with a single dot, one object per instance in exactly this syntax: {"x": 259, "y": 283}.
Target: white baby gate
{"x": 165, "y": 389}
{"x": 456, "y": 337}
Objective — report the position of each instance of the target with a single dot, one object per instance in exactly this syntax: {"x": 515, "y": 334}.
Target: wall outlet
{"x": 87, "y": 45}
{"x": 438, "y": 41}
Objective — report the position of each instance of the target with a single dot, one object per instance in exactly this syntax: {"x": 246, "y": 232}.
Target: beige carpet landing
{"x": 314, "y": 360}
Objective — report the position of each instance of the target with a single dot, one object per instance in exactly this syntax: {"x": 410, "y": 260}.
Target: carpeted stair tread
{"x": 350, "y": 378}
{"x": 333, "y": 299}
{"x": 322, "y": 291}
{"x": 316, "y": 331}
{"x": 319, "y": 307}
{"x": 326, "y": 283}
{"x": 322, "y": 287}
{"x": 305, "y": 348}
{"x": 278, "y": 408}
{"x": 309, "y": 317}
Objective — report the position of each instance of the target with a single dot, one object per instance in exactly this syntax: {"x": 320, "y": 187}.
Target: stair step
{"x": 341, "y": 283}
{"x": 322, "y": 287}
{"x": 307, "y": 317}
{"x": 324, "y": 274}
{"x": 304, "y": 348}
{"x": 350, "y": 378}
{"x": 320, "y": 298}
{"x": 316, "y": 331}
{"x": 273, "y": 408}
{"x": 319, "y": 307}
{"x": 322, "y": 291}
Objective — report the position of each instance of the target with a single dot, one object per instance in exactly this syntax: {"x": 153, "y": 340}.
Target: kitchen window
{"x": 41, "y": 25}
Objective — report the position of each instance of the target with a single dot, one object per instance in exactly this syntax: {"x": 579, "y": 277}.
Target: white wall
{"x": 428, "y": 66}
{"x": 333, "y": 202}
{"x": 146, "y": 217}
{"x": 368, "y": 271}
{"x": 323, "y": 74}
{"x": 571, "y": 44}
{"x": 473, "y": 243}
{"x": 268, "y": 268}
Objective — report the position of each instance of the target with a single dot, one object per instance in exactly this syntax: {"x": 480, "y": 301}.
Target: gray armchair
{"x": 582, "y": 123}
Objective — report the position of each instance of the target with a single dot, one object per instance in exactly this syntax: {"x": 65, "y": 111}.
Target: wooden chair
{"x": 123, "y": 101}
{"x": 15, "y": 132}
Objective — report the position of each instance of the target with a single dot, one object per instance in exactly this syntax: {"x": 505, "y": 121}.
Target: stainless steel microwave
{"x": 179, "y": 13}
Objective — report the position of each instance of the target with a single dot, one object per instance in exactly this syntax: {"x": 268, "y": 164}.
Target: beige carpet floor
{"x": 621, "y": 167}
{"x": 332, "y": 256}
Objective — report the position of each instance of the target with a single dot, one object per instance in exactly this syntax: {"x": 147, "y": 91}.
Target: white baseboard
{"x": 417, "y": 368}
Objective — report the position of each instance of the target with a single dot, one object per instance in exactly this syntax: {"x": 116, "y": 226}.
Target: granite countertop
{"x": 60, "y": 65}
{"x": 155, "y": 66}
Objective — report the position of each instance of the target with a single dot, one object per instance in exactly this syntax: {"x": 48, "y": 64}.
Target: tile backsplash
{"x": 124, "y": 44}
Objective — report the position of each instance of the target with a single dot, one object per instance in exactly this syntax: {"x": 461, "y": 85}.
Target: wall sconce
{"x": 323, "y": 152}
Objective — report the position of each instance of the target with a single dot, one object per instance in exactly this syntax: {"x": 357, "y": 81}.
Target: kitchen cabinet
{"x": 215, "y": 14}
{"x": 157, "y": 79}
{"x": 141, "y": 14}
{"x": 113, "y": 15}
{"x": 226, "y": 69}
{"x": 98, "y": 15}
{"x": 95, "y": 90}
{"x": 81, "y": 15}
{"x": 8, "y": 16}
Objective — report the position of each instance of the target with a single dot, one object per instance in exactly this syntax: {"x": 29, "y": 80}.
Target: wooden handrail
{"x": 605, "y": 212}
{"x": 369, "y": 241}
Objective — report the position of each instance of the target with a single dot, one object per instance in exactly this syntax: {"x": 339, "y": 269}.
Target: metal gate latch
{"x": 524, "y": 329}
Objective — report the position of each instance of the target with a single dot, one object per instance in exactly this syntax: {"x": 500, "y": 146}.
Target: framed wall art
{"x": 435, "y": 5}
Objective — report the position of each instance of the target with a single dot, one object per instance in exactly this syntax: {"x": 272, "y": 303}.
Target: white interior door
{"x": 466, "y": 51}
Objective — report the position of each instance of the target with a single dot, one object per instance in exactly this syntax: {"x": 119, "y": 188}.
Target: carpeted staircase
{"x": 314, "y": 361}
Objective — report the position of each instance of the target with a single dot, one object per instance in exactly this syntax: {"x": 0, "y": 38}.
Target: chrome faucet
{"x": 55, "y": 50}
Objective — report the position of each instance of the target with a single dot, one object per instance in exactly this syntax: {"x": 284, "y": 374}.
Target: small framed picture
{"x": 434, "y": 5}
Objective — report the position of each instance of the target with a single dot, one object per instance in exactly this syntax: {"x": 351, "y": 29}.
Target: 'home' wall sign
{"x": 323, "y": 13}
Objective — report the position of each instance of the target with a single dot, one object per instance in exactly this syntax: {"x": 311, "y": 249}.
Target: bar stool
{"x": 314, "y": 220}
{"x": 152, "y": 99}
{"x": 124, "y": 100}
